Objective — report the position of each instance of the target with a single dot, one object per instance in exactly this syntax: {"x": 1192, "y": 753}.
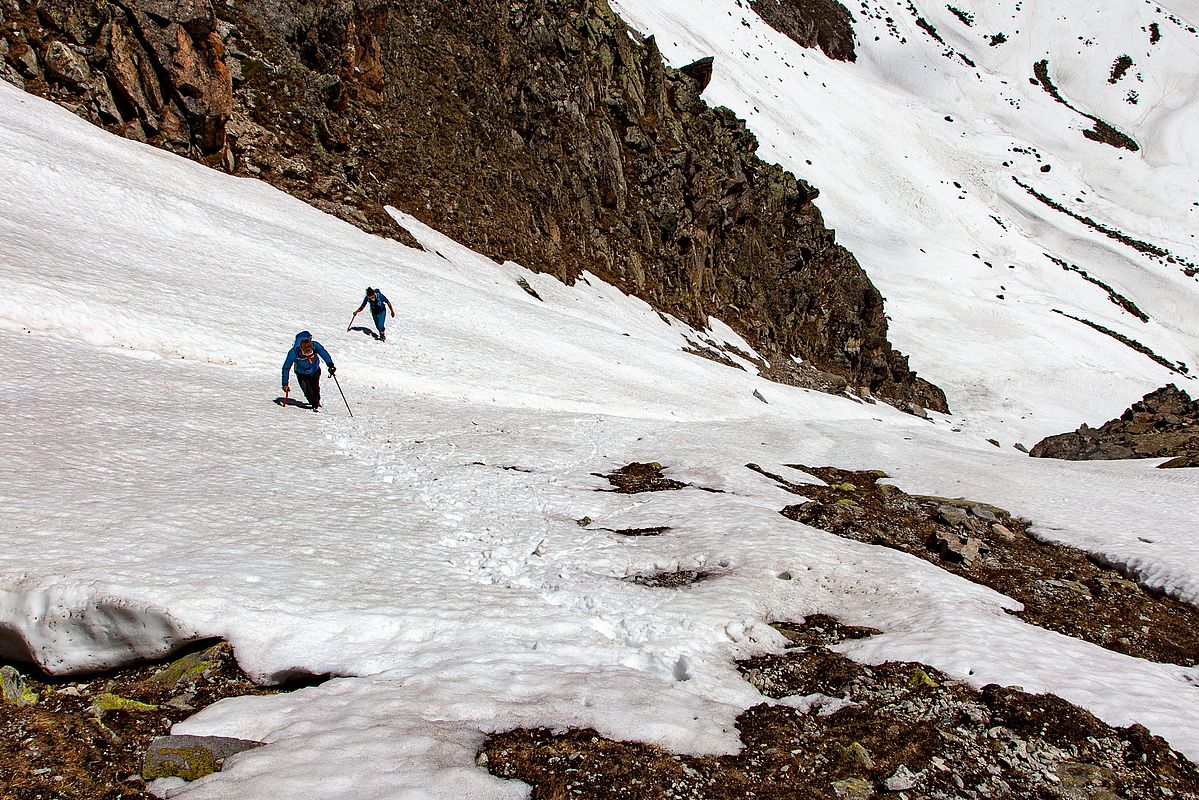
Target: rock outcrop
{"x": 825, "y": 24}
{"x": 151, "y": 70}
{"x": 1162, "y": 424}
{"x": 541, "y": 131}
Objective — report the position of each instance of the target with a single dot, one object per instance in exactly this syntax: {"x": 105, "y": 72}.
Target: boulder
{"x": 190, "y": 757}
{"x": 14, "y": 690}
{"x": 65, "y": 65}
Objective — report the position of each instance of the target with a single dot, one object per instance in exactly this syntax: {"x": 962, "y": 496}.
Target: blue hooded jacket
{"x": 377, "y": 304}
{"x": 305, "y": 365}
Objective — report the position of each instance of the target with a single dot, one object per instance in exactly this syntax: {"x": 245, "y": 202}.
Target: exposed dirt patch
{"x": 907, "y": 731}
{"x": 63, "y": 747}
{"x": 1132, "y": 344}
{"x": 1116, "y": 298}
{"x": 1120, "y": 68}
{"x": 653, "y": 531}
{"x": 1061, "y": 588}
{"x": 1102, "y": 131}
{"x": 1189, "y": 269}
{"x": 821, "y": 630}
{"x": 639, "y": 477}
{"x": 1162, "y": 424}
{"x": 675, "y": 579}
{"x": 966, "y": 17}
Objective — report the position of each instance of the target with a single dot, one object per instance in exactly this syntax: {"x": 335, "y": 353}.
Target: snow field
{"x": 886, "y": 138}
{"x": 155, "y": 494}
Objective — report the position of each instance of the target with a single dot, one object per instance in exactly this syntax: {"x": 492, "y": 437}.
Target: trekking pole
{"x": 350, "y": 326}
{"x": 343, "y": 394}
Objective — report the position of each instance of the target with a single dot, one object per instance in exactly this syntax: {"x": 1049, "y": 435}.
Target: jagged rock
{"x": 811, "y": 23}
{"x": 191, "y": 757}
{"x": 699, "y": 71}
{"x": 901, "y": 780}
{"x": 22, "y": 56}
{"x": 950, "y": 546}
{"x": 853, "y": 788}
{"x": 164, "y": 77}
{"x": 952, "y": 515}
{"x": 13, "y": 689}
{"x": 66, "y": 65}
{"x": 187, "y": 669}
{"x": 857, "y": 754}
{"x": 1162, "y": 424}
{"x": 1002, "y": 532}
{"x": 984, "y": 513}
{"x": 107, "y": 701}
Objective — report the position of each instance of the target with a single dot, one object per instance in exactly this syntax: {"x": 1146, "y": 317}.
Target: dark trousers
{"x": 310, "y": 385}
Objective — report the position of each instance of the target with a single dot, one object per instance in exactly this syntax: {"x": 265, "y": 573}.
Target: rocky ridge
{"x": 1162, "y": 424}
{"x": 542, "y": 131}
{"x": 847, "y": 730}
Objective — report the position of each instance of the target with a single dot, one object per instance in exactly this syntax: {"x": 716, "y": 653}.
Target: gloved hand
{"x": 286, "y": 389}
{"x": 332, "y": 370}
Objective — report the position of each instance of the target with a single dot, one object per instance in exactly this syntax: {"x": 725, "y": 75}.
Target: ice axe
{"x": 286, "y": 394}
{"x": 347, "y": 328}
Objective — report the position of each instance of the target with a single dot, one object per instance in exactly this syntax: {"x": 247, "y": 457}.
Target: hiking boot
{"x": 382, "y": 336}
{"x": 316, "y": 409}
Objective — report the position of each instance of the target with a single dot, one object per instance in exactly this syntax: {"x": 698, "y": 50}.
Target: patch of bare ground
{"x": 1102, "y": 131}
{"x": 656, "y": 530}
{"x": 672, "y": 579}
{"x": 1177, "y": 367}
{"x": 1152, "y": 250}
{"x": 1062, "y": 589}
{"x": 897, "y": 730}
{"x": 84, "y": 738}
{"x": 639, "y": 477}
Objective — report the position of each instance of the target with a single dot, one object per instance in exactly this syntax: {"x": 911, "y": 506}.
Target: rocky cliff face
{"x": 542, "y": 131}
{"x": 1162, "y": 424}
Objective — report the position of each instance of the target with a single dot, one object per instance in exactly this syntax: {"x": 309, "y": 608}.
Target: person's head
{"x": 370, "y": 293}
{"x": 306, "y": 346}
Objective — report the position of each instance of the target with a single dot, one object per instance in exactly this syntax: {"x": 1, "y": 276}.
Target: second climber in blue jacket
{"x": 376, "y": 300}
{"x": 305, "y": 356}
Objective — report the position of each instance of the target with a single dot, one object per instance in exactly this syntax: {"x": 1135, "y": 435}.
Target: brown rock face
{"x": 1162, "y": 424}
{"x": 542, "y": 131}
{"x": 153, "y": 70}
{"x": 825, "y": 24}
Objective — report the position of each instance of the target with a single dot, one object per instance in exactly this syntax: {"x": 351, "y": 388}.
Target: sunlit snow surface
{"x": 966, "y": 268}
{"x": 428, "y": 549}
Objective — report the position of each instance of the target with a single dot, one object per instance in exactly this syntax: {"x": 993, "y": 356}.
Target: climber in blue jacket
{"x": 376, "y": 300}
{"x": 304, "y": 357}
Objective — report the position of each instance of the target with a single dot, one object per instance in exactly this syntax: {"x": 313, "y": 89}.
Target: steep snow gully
{"x": 430, "y": 551}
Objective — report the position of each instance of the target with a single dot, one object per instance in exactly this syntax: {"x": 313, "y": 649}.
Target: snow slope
{"x": 916, "y": 148}
{"x": 428, "y": 549}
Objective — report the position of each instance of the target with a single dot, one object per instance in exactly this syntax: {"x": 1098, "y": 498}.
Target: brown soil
{"x": 675, "y": 579}
{"x": 907, "y": 725}
{"x": 61, "y": 748}
{"x": 1061, "y": 588}
{"x": 638, "y": 477}
{"x": 654, "y": 531}
{"x": 1102, "y": 131}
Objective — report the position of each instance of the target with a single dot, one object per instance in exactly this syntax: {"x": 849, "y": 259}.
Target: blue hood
{"x": 305, "y": 365}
